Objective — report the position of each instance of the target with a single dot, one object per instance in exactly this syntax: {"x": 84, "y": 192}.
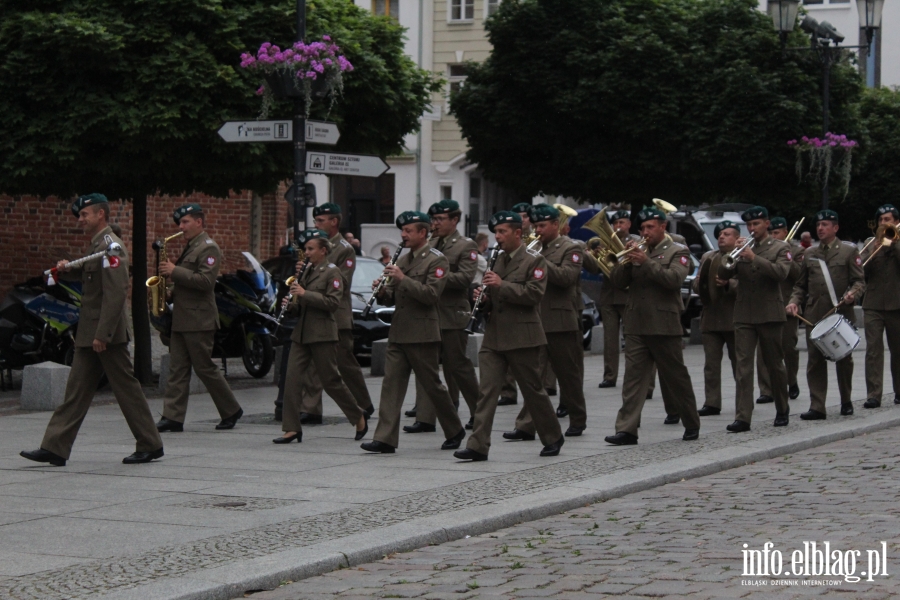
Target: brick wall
{"x": 36, "y": 232}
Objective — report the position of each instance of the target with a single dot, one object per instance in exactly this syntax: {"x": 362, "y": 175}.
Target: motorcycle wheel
{"x": 259, "y": 355}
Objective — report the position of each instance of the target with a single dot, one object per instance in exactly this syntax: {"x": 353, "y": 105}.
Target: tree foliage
{"x": 624, "y": 100}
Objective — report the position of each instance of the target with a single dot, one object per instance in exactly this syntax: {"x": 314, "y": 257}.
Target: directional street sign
{"x": 256, "y": 131}
{"x": 333, "y": 163}
{"x": 322, "y": 132}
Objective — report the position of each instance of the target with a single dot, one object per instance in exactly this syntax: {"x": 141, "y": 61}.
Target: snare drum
{"x": 835, "y": 337}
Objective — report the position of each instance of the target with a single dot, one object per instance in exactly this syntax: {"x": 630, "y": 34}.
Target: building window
{"x": 456, "y": 75}
{"x": 490, "y": 7}
{"x": 446, "y": 192}
{"x": 389, "y": 8}
{"x": 462, "y": 10}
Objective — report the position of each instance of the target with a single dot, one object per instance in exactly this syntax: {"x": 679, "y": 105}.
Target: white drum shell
{"x": 835, "y": 337}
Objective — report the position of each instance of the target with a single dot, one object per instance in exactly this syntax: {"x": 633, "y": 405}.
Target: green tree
{"x": 624, "y": 100}
{"x": 125, "y": 97}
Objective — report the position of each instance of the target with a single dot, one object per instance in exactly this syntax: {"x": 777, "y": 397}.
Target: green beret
{"x": 726, "y": 225}
{"x": 504, "y": 216}
{"x": 521, "y": 207}
{"x": 543, "y": 212}
{"x": 312, "y": 234}
{"x": 412, "y": 216}
{"x": 443, "y": 207}
{"x": 827, "y": 215}
{"x": 756, "y": 212}
{"x": 329, "y": 208}
{"x": 619, "y": 214}
{"x": 887, "y": 208}
{"x": 88, "y": 200}
{"x": 651, "y": 212}
{"x": 778, "y": 223}
{"x": 187, "y": 209}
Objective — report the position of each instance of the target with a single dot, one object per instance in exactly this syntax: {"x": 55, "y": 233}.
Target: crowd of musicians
{"x": 755, "y": 291}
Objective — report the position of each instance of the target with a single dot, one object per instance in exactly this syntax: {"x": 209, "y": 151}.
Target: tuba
{"x": 156, "y": 285}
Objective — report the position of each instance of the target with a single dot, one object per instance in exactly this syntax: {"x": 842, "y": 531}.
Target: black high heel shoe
{"x": 360, "y": 434}
{"x": 288, "y": 439}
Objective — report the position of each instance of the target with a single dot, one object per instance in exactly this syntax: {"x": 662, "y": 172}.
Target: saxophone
{"x": 156, "y": 285}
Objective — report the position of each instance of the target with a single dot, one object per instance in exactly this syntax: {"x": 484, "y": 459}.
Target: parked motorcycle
{"x": 246, "y": 301}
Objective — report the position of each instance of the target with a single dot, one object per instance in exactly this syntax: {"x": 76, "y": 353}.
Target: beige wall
{"x": 450, "y": 39}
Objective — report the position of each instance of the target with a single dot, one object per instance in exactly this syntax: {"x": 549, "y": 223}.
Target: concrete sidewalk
{"x": 226, "y": 512}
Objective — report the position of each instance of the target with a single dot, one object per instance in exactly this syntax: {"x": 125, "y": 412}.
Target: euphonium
{"x": 156, "y": 285}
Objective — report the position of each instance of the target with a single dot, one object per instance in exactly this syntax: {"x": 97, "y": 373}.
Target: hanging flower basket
{"x": 308, "y": 71}
{"x": 830, "y": 155}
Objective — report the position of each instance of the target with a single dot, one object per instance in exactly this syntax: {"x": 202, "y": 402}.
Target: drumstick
{"x": 805, "y": 321}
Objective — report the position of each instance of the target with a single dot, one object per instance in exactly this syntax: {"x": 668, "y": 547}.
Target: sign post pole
{"x": 299, "y": 203}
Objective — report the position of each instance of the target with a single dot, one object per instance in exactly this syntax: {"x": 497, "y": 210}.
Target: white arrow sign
{"x": 256, "y": 131}
{"x": 322, "y": 132}
{"x": 333, "y": 163}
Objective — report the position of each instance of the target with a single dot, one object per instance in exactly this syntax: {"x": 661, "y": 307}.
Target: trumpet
{"x": 114, "y": 249}
{"x": 730, "y": 259}
{"x": 476, "y": 309}
{"x": 794, "y": 230}
{"x": 288, "y": 282}
{"x": 382, "y": 281}
{"x": 622, "y": 257}
{"x": 884, "y": 233}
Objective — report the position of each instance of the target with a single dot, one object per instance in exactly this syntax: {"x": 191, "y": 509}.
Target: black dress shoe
{"x": 621, "y": 439}
{"x": 376, "y": 446}
{"x": 419, "y": 427}
{"x": 671, "y": 420}
{"x": 708, "y": 411}
{"x": 813, "y": 415}
{"x": 793, "y": 391}
{"x": 411, "y": 413}
{"x": 765, "y": 400}
{"x": 361, "y": 433}
{"x": 847, "y": 409}
{"x": 370, "y": 411}
{"x": 562, "y": 411}
{"x": 781, "y": 420}
{"x": 738, "y": 427}
{"x": 471, "y": 423}
{"x": 690, "y": 435}
{"x": 287, "y": 439}
{"x": 142, "y": 457}
{"x": 551, "y": 391}
{"x": 230, "y": 421}
{"x": 454, "y": 442}
{"x": 468, "y": 454}
{"x": 165, "y": 424}
{"x": 872, "y": 403}
{"x": 896, "y": 398}
{"x": 573, "y": 431}
{"x": 506, "y": 401}
{"x": 554, "y": 448}
{"x": 44, "y": 456}
{"x": 310, "y": 419}
{"x": 518, "y": 434}
{"x": 607, "y": 383}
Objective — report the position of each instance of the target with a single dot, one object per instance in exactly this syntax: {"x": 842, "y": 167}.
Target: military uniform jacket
{"x": 787, "y": 286}
{"x": 462, "y": 254}
{"x": 515, "y": 319}
{"x": 811, "y": 291}
{"x": 759, "y": 298}
{"x": 562, "y": 304}
{"x": 103, "y": 294}
{"x": 718, "y": 316}
{"x": 324, "y": 287}
{"x": 416, "y": 297}
{"x": 882, "y": 278}
{"x": 194, "y": 286}
{"x": 654, "y": 290}
{"x": 343, "y": 255}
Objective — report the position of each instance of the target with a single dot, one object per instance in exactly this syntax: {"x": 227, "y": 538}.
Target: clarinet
{"x": 470, "y": 328}
{"x": 383, "y": 281}
{"x": 288, "y": 283}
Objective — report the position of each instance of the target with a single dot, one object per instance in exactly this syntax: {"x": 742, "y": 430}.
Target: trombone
{"x": 884, "y": 233}
{"x": 794, "y": 230}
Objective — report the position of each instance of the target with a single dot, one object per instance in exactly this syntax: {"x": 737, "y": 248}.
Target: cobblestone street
{"x": 679, "y": 540}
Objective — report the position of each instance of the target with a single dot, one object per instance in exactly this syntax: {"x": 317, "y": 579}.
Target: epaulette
{"x": 346, "y": 243}
{"x": 332, "y": 265}
{"x": 532, "y": 252}
{"x": 209, "y": 241}
{"x": 679, "y": 244}
{"x": 108, "y": 239}
{"x": 848, "y": 243}
{"x": 437, "y": 252}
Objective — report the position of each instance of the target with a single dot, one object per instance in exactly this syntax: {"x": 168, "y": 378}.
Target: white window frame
{"x": 487, "y": 7}
{"x": 452, "y": 79}
{"x": 463, "y": 4}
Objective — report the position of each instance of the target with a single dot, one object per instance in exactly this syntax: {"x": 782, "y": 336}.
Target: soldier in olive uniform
{"x": 328, "y": 219}
{"x": 513, "y": 339}
{"x": 759, "y": 315}
{"x": 414, "y": 342}
{"x": 455, "y": 310}
{"x": 561, "y": 308}
{"x": 812, "y": 296}
{"x": 653, "y": 328}
{"x": 881, "y": 306}
{"x": 101, "y": 346}
{"x": 779, "y": 231}
{"x": 717, "y": 318}
{"x": 316, "y": 296}
{"x": 195, "y": 319}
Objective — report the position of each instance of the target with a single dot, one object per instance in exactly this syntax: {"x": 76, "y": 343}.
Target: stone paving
{"x": 680, "y": 540}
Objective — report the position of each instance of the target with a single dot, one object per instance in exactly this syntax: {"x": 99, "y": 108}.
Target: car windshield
{"x": 367, "y": 271}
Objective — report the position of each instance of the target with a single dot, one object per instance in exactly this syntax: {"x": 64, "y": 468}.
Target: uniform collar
{"x": 100, "y": 234}
{"x": 660, "y": 246}
{"x": 835, "y": 243}
{"x": 197, "y": 239}
{"x": 514, "y": 253}
{"x": 336, "y": 239}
